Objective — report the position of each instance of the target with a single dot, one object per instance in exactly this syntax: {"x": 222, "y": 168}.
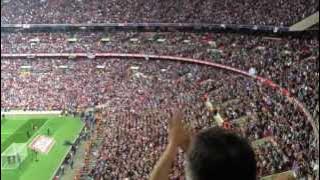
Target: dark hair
{"x": 219, "y": 154}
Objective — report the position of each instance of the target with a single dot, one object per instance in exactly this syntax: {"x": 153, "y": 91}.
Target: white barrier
{"x": 31, "y": 112}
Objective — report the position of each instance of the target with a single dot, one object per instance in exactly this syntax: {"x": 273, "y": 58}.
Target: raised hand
{"x": 179, "y": 134}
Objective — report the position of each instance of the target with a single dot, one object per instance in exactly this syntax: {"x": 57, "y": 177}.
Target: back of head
{"x": 218, "y": 154}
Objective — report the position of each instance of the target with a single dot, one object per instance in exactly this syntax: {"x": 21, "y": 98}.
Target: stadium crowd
{"x": 139, "y": 97}
{"x": 263, "y": 12}
{"x": 292, "y": 63}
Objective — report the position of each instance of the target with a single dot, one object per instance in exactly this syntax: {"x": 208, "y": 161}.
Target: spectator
{"x": 212, "y": 154}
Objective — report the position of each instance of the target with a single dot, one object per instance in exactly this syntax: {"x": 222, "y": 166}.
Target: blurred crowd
{"x": 256, "y": 113}
{"x": 138, "y": 96}
{"x": 262, "y": 12}
{"x": 290, "y": 62}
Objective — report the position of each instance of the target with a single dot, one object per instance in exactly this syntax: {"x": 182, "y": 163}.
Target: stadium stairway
{"x": 78, "y": 163}
{"x": 306, "y": 23}
{"x": 93, "y": 146}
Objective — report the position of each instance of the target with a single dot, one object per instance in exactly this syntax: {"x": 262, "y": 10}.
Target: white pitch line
{"x": 7, "y": 133}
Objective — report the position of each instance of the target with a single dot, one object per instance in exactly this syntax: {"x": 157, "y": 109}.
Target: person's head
{"x": 219, "y": 154}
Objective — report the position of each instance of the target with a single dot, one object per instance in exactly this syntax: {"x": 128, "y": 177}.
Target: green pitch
{"x": 23, "y": 128}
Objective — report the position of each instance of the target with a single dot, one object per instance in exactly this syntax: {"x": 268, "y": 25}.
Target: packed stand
{"x": 139, "y": 98}
{"x": 290, "y": 62}
{"x": 263, "y": 12}
{"x": 139, "y": 94}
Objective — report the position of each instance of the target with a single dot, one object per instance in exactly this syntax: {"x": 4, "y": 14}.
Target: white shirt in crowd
{"x": 218, "y": 119}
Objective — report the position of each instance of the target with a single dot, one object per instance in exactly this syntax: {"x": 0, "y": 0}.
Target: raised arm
{"x": 178, "y": 137}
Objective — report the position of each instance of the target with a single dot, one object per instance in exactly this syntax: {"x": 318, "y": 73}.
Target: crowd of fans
{"x": 138, "y": 97}
{"x": 292, "y": 63}
{"x": 140, "y": 94}
{"x": 142, "y": 134}
{"x": 263, "y": 12}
